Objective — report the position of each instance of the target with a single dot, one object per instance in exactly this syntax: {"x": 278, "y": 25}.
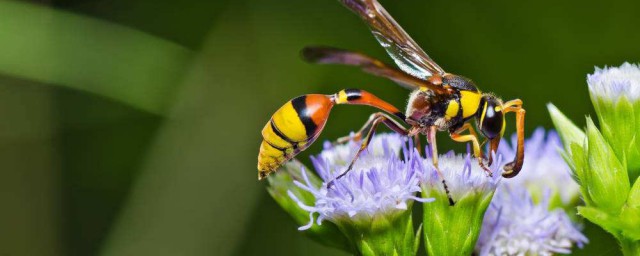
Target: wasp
{"x": 439, "y": 101}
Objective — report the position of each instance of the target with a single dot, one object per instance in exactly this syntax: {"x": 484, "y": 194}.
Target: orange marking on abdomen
{"x": 292, "y": 129}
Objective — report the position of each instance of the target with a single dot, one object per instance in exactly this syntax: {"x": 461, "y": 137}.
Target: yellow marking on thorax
{"x": 452, "y": 109}
{"x": 470, "y": 102}
{"x": 288, "y": 122}
{"x": 484, "y": 112}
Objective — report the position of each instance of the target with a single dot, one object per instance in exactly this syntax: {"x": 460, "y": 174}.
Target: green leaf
{"x": 366, "y": 250}
{"x": 629, "y": 223}
{"x": 416, "y": 242}
{"x": 65, "y": 49}
{"x": 634, "y": 195}
{"x": 600, "y": 218}
{"x": 568, "y": 131}
{"x": 608, "y": 183}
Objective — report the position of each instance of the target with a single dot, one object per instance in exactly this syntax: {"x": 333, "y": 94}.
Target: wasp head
{"x": 490, "y": 118}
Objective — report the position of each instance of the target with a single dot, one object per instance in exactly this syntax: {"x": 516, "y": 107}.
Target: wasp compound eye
{"x": 491, "y": 118}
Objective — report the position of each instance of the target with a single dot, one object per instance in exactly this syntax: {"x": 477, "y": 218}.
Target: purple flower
{"x": 463, "y": 175}
{"x": 516, "y": 225}
{"x": 615, "y": 82}
{"x": 381, "y": 182}
{"x": 522, "y": 218}
{"x": 544, "y": 167}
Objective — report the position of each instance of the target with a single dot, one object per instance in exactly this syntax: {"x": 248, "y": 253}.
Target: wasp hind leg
{"x": 473, "y": 138}
{"x": 366, "y": 134}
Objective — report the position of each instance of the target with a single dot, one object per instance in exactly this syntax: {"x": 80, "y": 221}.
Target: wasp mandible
{"x": 439, "y": 101}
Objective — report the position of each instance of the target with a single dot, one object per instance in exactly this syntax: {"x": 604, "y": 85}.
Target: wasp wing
{"x": 331, "y": 55}
{"x": 399, "y": 45}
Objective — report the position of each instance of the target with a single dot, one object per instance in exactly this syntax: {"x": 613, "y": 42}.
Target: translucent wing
{"x": 405, "y": 52}
{"x": 330, "y": 55}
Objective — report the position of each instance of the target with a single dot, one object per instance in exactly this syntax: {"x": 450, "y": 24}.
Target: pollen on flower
{"x": 615, "y": 82}
{"x": 381, "y": 181}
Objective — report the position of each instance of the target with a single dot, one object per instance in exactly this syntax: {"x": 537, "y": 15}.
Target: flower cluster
{"x": 381, "y": 182}
{"x": 368, "y": 211}
{"x": 515, "y": 224}
{"x": 545, "y": 169}
{"x": 606, "y": 160}
{"x": 372, "y": 203}
{"x": 526, "y": 215}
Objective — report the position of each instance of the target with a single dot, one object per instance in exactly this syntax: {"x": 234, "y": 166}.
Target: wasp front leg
{"x": 473, "y": 138}
{"x": 513, "y": 168}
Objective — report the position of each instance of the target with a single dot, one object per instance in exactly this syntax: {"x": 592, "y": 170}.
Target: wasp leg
{"x": 431, "y": 138}
{"x": 493, "y": 148}
{"x": 369, "y": 130}
{"x": 418, "y": 145}
{"x": 477, "y": 152}
{"x": 367, "y": 126}
{"x": 513, "y": 168}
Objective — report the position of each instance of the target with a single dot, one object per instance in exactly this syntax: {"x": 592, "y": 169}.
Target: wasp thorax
{"x": 490, "y": 118}
{"x": 423, "y": 108}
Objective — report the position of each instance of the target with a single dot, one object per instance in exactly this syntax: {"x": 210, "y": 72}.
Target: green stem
{"x": 630, "y": 248}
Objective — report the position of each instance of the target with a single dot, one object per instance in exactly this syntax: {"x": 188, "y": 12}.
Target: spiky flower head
{"x": 616, "y": 82}
{"x": 381, "y": 182}
{"x": 544, "y": 168}
{"x": 528, "y": 214}
{"x": 515, "y": 224}
{"x": 453, "y": 230}
{"x": 372, "y": 202}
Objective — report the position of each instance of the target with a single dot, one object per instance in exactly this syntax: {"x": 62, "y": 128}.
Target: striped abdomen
{"x": 292, "y": 129}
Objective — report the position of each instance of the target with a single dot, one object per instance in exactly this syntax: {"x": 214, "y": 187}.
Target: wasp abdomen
{"x": 291, "y": 129}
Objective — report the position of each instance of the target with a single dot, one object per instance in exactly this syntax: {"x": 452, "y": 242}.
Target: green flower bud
{"x": 606, "y": 161}
{"x": 615, "y": 93}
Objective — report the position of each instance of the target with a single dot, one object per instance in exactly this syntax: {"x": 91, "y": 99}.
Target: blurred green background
{"x": 132, "y": 127}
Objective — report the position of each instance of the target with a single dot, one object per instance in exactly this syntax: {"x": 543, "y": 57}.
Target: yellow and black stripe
{"x": 291, "y": 129}
{"x": 297, "y": 124}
